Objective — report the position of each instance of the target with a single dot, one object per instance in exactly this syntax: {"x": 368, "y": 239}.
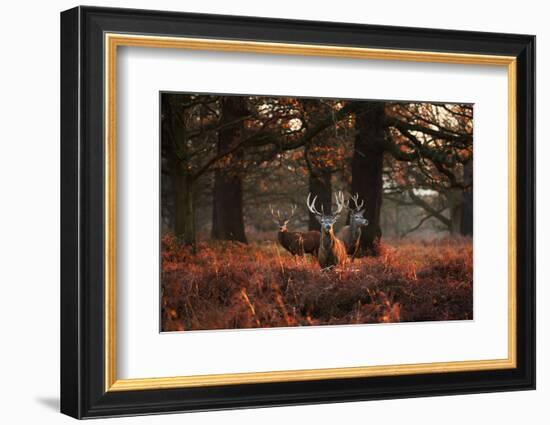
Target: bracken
{"x": 232, "y": 285}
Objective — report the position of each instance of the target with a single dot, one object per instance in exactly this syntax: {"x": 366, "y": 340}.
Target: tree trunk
{"x": 462, "y": 206}
{"x": 181, "y": 209}
{"x": 456, "y": 218}
{"x": 167, "y": 204}
{"x": 366, "y": 169}
{"x": 227, "y": 208}
{"x": 320, "y": 185}
{"x": 184, "y": 206}
{"x": 227, "y": 204}
{"x": 467, "y": 219}
{"x": 320, "y": 173}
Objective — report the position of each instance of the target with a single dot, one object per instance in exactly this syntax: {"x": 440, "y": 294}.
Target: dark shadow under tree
{"x": 227, "y": 204}
{"x": 367, "y": 168}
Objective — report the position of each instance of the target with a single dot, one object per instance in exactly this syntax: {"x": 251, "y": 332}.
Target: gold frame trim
{"x": 113, "y": 41}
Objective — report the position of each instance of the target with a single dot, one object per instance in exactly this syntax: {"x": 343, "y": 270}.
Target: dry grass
{"x": 230, "y": 285}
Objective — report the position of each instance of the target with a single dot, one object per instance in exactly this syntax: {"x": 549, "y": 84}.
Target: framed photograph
{"x": 261, "y": 212}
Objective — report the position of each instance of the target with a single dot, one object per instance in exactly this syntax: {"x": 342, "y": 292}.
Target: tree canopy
{"x": 224, "y": 158}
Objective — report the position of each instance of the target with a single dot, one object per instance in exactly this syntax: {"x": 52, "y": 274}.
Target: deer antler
{"x": 292, "y": 211}
{"x": 278, "y": 217}
{"x": 340, "y": 204}
{"x": 355, "y": 200}
{"x": 311, "y": 205}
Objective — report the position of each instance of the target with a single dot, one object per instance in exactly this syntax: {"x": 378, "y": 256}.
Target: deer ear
{"x": 318, "y": 217}
{"x": 361, "y": 212}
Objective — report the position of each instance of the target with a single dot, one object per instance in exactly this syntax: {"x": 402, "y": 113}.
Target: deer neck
{"x": 281, "y": 235}
{"x": 354, "y": 228}
{"x": 327, "y": 239}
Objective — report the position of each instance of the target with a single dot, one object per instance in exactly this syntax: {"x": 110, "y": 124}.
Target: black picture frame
{"x": 83, "y": 392}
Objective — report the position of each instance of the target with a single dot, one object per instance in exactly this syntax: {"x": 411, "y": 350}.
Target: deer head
{"x": 282, "y": 221}
{"x": 326, "y": 220}
{"x": 357, "y": 211}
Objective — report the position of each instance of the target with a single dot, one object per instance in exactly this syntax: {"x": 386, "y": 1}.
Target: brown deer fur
{"x": 351, "y": 234}
{"x": 332, "y": 251}
{"x": 345, "y": 234}
{"x": 298, "y": 243}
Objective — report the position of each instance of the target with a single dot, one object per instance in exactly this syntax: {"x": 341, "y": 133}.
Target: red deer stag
{"x": 297, "y": 243}
{"x": 351, "y": 234}
{"x": 332, "y": 251}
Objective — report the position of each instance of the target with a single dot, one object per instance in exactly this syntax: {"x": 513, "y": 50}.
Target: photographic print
{"x": 284, "y": 211}
{"x": 323, "y": 183}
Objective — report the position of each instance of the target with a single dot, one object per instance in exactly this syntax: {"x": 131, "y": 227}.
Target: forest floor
{"x": 232, "y": 285}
